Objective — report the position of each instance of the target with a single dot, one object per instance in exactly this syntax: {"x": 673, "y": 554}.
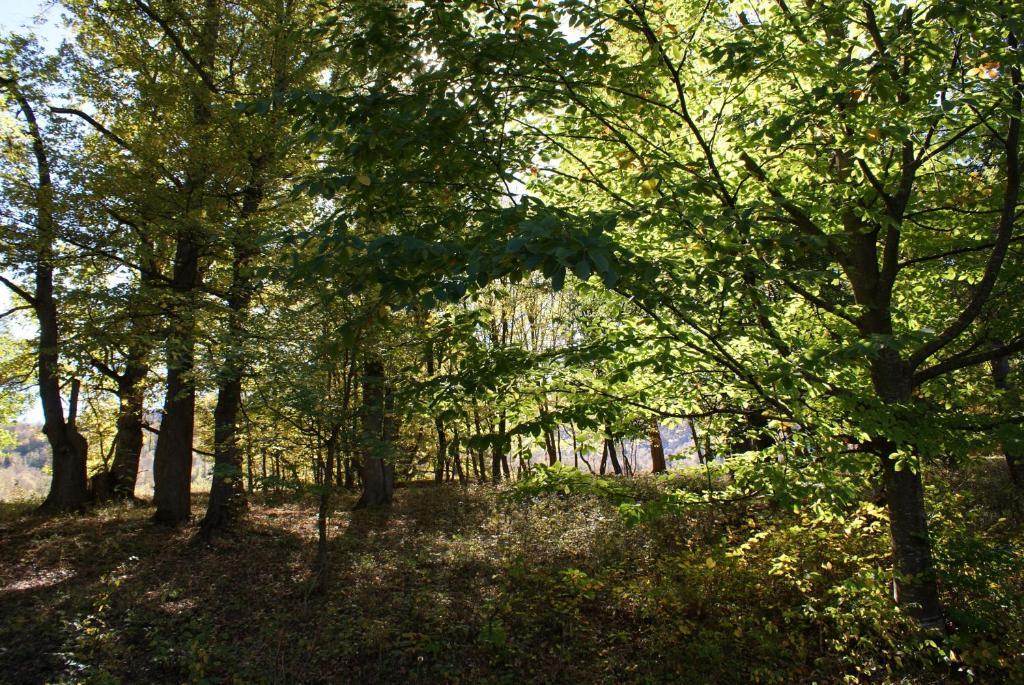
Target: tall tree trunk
{"x": 124, "y": 471}
{"x": 575, "y": 447}
{"x": 68, "y": 486}
{"x": 657, "y": 449}
{"x": 172, "y": 462}
{"x": 474, "y": 465}
{"x": 378, "y": 474}
{"x": 915, "y": 586}
{"x": 227, "y": 496}
{"x": 481, "y": 451}
{"x": 442, "y": 441}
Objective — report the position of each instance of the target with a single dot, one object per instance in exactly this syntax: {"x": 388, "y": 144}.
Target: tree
{"x": 378, "y": 424}
{"x": 775, "y": 165}
{"x": 21, "y": 82}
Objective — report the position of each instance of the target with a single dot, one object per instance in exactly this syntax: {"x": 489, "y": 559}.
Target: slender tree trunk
{"x": 657, "y": 450}
{"x": 322, "y": 566}
{"x": 915, "y": 587}
{"x": 522, "y": 466}
{"x": 1014, "y": 454}
{"x": 457, "y": 455}
{"x": 227, "y": 496}
{"x": 549, "y": 447}
{"x": 250, "y": 486}
{"x": 474, "y": 466}
{"x": 557, "y": 437}
{"x": 263, "y": 470}
{"x": 498, "y": 452}
{"x": 575, "y": 446}
{"x": 481, "y": 451}
{"x": 442, "y": 450}
{"x": 350, "y": 474}
{"x": 609, "y": 442}
{"x": 442, "y": 441}
{"x": 378, "y": 474}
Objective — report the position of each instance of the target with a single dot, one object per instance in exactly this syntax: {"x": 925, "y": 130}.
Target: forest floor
{"x": 465, "y": 585}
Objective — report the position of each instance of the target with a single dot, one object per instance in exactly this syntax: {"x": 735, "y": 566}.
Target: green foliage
{"x": 564, "y": 480}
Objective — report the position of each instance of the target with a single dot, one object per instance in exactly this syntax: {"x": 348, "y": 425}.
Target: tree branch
{"x": 95, "y": 124}
{"x": 963, "y": 361}
{"x": 178, "y": 45}
{"x": 20, "y": 292}
{"x": 1004, "y": 233}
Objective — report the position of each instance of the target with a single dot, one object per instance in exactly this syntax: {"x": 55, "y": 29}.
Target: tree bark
{"x": 442, "y": 450}
{"x": 1013, "y": 454}
{"x": 610, "y": 451}
{"x": 124, "y": 471}
{"x": 457, "y": 455}
{"x": 377, "y": 472}
{"x": 657, "y": 450}
{"x": 915, "y": 586}
{"x": 322, "y": 566}
{"x": 68, "y": 484}
{"x": 118, "y": 482}
{"x": 227, "y": 496}
{"x": 172, "y": 463}
{"x": 549, "y": 446}
{"x": 498, "y": 451}
{"x": 481, "y": 455}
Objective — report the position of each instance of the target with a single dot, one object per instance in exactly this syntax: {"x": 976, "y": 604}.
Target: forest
{"x": 496, "y": 341}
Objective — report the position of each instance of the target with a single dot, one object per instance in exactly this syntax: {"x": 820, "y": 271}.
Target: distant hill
{"x": 25, "y": 466}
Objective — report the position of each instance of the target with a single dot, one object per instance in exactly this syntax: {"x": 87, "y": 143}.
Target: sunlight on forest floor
{"x": 464, "y": 585}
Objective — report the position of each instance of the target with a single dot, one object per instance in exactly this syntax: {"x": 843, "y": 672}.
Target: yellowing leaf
{"x": 987, "y": 71}
{"x": 710, "y": 563}
{"x": 363, "y": 179}
{"x": 649, "y": 185}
